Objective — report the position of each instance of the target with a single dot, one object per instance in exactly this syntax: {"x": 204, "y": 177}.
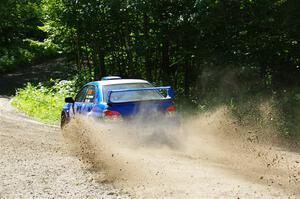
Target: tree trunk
{"x": 95, "y": 62}
{"x": 148, "y": 64}
{"x": 126, "y": 43}
{"x": 88, "y": 60}
{"x": 101, "y": 56}
{"x": 187, "y": 77}
{"x": 77, "y": 53}
{"x": 165, "y": 62}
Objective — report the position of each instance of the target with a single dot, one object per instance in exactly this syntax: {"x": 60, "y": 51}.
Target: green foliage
{"x": 211, "y": 52}
{"x": 168, "y": 41}
{"x": 22, "y": 42}
{"x": 175, "y": 41}
{"x": 43, "y": 102}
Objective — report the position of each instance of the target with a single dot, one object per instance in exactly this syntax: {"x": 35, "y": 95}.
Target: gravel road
{"x": 34, "y": 162}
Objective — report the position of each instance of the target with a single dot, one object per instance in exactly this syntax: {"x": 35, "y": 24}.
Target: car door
{"x": 89, "y": 99}
{"x": 79, "y": 100}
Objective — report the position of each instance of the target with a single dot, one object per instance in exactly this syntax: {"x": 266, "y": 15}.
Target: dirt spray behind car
{"x": 210, "y": 145}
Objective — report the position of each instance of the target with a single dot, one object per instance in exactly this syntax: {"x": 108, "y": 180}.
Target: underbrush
{"x": 43, "y": 101}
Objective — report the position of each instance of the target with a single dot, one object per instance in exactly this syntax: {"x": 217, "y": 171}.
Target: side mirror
{"x": 170, "y": 93}
{"x": 69, "y": 100}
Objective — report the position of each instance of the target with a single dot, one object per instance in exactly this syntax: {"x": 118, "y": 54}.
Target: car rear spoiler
{"x": 166, "y": 88}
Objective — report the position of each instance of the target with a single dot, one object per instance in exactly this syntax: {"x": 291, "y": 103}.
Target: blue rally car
{"x": 113, "y": 97}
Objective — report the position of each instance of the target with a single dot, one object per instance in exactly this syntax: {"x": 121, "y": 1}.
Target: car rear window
{"x": 130, "y": 96}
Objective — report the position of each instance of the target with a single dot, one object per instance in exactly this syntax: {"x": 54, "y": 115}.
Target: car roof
{"x": 118, "y": 81}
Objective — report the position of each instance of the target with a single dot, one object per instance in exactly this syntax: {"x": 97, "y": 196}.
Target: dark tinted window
{"x": 81, "y": 95}
{"x": 130, "y": 96}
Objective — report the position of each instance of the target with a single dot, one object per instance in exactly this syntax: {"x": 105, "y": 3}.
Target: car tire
{"x": 63, "y": 120}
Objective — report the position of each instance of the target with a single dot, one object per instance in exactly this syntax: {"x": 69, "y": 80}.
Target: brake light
{"x": 171, "y": 109}
{"x": 110, "y": 113}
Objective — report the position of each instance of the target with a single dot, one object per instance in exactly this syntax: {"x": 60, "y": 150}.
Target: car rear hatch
{"x": 140, "y": 101}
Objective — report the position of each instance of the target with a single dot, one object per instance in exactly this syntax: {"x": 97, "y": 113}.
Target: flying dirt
{"x": 208, "y": 156}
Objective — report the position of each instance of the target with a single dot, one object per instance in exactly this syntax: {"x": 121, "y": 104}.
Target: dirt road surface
{"x": 34, "y": 162}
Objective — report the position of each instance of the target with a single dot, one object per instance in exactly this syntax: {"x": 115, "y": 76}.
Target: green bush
{"x": 43, "y": 102}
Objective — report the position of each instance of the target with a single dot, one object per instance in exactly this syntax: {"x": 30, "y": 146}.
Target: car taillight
{"x": 110, "y": 113}
{"x": 171, "y": 109}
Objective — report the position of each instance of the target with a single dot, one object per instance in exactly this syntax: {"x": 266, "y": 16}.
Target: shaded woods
{"x": 209, "y": 51}
{"x": 177, "y": 42}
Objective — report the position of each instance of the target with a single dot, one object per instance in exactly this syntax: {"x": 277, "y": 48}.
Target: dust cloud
{"x": 206, "y": 155}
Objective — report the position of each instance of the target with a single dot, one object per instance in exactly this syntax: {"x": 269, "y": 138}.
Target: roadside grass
{"x": 43, "y": 102}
